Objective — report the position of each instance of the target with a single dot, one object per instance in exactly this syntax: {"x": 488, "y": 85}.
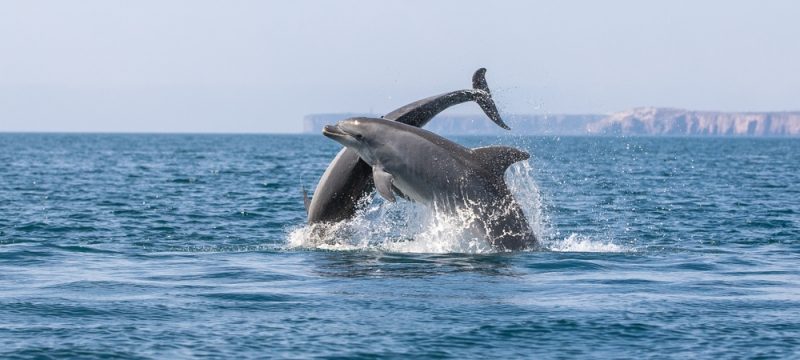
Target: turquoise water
{"x": 183, "y": 246}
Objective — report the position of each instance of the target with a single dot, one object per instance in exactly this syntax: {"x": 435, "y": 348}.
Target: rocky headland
{"x": 667, "y": 121}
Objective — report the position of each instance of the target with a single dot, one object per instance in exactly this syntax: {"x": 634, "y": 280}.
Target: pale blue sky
{"x": 259, "y": 66}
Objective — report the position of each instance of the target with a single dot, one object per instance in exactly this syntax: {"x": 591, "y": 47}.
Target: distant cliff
{"x": 639, "y": 121}
{"x": 665, "y": 121}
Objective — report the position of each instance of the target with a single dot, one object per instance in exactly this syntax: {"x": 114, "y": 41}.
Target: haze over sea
{"x": 182, "y": 246}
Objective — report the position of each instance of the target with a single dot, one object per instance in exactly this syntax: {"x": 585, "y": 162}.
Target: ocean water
{"x": 194, "y": 246}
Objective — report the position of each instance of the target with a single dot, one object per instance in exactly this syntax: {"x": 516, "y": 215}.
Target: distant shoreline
{"x": 646, "y": 121}
{"x": 303, "y": 134}
{"x": 638, "y": 122}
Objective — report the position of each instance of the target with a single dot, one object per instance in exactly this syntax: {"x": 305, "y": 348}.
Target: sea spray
{"x": 521, "y": 181}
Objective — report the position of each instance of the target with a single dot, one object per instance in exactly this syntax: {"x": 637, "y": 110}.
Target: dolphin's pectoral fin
{"x": 496, "y": 159}
{"x": 306, "y": 200}
{"x": 400, "y": 193}
{"x": 383, "y": 182}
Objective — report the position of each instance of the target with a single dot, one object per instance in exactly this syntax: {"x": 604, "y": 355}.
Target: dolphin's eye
{"x": 359, "y": 136}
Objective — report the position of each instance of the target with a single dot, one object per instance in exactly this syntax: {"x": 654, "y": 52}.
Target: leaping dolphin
{"x": 348, "y": 179}
{"x": 429, "y": 169}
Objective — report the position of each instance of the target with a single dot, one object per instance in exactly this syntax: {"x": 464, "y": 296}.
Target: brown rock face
{"x": 665, "y": 121}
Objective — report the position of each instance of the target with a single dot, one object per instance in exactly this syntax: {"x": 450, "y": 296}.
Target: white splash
{"x": 521, "y": 181}
{"x": 396, "y": 227}
{"x": 406, "y": 227}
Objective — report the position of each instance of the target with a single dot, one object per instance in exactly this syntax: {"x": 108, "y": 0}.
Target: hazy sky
{"x": 259, "y": 66}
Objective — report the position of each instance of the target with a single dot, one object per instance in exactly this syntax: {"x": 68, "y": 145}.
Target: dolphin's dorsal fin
{"x": 306, "y": 199}
{"x": 496, "y": 159}
{"x": 383, "y": 183}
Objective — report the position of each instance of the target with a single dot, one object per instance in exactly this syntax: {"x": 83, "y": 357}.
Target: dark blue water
{"x": 182, "y": 246}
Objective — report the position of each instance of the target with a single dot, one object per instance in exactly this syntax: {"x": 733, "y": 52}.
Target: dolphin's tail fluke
{"x": 485, "y": 99}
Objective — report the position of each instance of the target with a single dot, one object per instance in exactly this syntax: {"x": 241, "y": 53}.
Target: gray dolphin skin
{"x": 429, "y": 169}
{"x": 348, "y": 179}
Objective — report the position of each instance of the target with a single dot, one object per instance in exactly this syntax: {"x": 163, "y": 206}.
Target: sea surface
{"x": 194, "y": 246}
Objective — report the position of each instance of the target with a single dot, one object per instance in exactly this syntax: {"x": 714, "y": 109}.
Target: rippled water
{"x": 164, "y": 246}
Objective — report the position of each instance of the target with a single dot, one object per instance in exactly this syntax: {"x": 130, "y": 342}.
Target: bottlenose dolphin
{"x": 426, "y": 168}
{"x": 348, "y": 179}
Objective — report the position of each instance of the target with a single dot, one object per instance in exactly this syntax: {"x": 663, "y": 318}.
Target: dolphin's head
{"x": 358, "y": 134}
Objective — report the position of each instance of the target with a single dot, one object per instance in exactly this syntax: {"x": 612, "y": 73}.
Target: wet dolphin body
{"x": 348, "y": 179}
{"x": 429, "y": 169}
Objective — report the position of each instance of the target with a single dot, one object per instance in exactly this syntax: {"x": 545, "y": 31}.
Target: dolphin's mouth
{"x": 333, "y": 131}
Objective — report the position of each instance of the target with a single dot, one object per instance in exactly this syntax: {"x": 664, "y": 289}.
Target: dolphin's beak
{"x": 333, "y": 132}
